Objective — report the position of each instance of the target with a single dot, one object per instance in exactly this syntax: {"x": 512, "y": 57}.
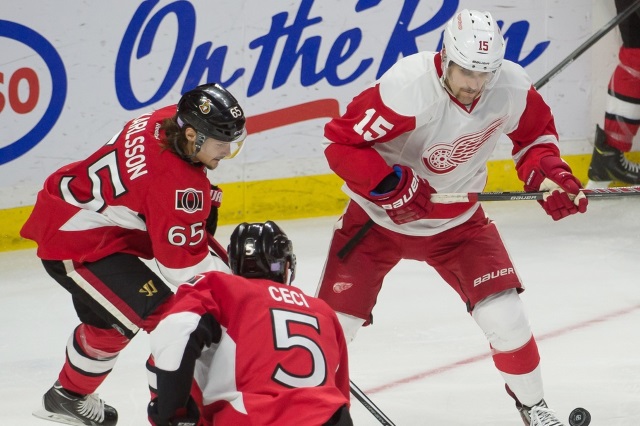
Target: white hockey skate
{"x": 63, "y": 407}
{"x": 539, "y": 415}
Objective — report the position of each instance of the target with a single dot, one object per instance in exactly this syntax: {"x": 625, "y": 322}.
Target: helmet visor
{"x": 235, "y": 145}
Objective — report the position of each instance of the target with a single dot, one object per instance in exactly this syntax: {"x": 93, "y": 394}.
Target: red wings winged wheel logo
{"x": 441, "y": 158}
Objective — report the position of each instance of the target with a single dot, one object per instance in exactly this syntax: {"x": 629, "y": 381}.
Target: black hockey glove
{"x": 216, "y": 200}
{"x": 188, "y": 416}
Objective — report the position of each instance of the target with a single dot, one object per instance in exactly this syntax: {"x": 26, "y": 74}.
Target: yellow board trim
{"x": 290, "y": 198}
{"x": 12, "y": 220}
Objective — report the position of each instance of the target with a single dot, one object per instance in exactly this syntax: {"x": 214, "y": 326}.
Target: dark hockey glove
{"x": 555, "y": 176}
{"x": 216, "y": 200}
{"x": 410, "y": 198}
{"x": 187, "y": 416}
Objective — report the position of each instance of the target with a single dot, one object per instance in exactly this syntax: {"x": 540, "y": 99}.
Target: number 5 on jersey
{"x": 285, "y": 340}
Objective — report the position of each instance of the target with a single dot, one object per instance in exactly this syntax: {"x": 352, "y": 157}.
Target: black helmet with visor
{"x": 213, "y": 112}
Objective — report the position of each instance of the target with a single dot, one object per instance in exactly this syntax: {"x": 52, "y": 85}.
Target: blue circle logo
{"x": 53, "y": 61}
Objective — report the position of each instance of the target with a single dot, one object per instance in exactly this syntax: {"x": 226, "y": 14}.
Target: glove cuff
{"x": 548, "y": 168}
{"x": 390, "y": 185}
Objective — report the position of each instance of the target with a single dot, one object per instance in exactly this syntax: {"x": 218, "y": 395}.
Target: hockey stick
{"x": 587, "y": 44}
{"x": 466, "y": 197}
{"x": 521, "y": 195}
{"x": 369, "y": 405}
{"x": 216, "y": 249}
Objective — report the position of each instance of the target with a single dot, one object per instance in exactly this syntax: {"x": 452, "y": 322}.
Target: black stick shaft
{"x": 587, "y": 44}
{"x": 369, "y": 405}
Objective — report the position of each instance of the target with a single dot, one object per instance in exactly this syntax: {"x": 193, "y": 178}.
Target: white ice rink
{"x": 424, "y": 361}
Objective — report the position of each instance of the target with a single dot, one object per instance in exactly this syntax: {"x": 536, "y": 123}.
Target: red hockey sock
{"x": 91, "y": 354}
{"x": 622, "y": 117}
{"x": 152, "y": 379}
{"x": 519, "y": 361}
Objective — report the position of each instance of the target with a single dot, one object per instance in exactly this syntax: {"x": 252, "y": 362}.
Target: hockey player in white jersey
{"x": 430, "y": 124}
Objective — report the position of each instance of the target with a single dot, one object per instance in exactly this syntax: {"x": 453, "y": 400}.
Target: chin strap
{"x": 200, "y": 138}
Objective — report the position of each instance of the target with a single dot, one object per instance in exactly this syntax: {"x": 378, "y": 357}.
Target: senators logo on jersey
{"x": 444, "y": 157}
{"x": 189, "y": 200}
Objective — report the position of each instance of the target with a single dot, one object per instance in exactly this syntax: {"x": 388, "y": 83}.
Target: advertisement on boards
{"x": 75, "y": 72}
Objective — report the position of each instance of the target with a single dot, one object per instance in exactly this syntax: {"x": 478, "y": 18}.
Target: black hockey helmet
{"x": 214, "y": 113}
{"x": 261, "y": 250}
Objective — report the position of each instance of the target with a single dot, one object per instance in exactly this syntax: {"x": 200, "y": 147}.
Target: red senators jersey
{"x": 130, "y": 196}
{"x": 277, "y": 357}
{"x": 407, "y": 117}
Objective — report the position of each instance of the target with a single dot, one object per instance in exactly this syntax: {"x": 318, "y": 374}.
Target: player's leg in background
{"x": 622, "y": 111}
{"x": 622, "y": 117}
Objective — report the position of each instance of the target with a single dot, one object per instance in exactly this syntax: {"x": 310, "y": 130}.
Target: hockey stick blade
{"x": 369, "y": 405}
{"x": 463, "y": 197}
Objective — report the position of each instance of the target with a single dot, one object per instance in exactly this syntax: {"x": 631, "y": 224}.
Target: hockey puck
{"x": 579, "y": 417}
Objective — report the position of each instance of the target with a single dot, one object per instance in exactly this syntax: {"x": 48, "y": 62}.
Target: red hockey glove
{"x": 216, "y": 196}
{"x": 554, "y": 175}
{"x": 410, "y": 200}
{"x": 216, "y": 200}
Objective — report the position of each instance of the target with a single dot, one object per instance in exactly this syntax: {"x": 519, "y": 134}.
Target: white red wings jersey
{"x": 408, "y": 118}
{"x": 281, "y": 360}
{"x": 130, "y": 196}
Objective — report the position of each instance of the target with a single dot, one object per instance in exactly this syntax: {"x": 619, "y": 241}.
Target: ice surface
{"x": 424, "y": 361}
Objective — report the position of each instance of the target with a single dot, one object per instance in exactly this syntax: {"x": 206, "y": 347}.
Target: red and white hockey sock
{"x": 520, "y": 369}
{"x": 622, "y": 114}
{"x": 91, "y": 354}
{"x": 504, "y": 322}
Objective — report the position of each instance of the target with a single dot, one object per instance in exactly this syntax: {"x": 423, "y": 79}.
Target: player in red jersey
{"x": 262, "y": 352}
{"x": 430, "y": 124}
{"x": 144, "y": 194}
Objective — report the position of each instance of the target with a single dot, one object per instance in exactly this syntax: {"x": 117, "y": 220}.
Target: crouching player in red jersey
{"x": 261, "y": 352}
{"x": 143, "y": 194}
